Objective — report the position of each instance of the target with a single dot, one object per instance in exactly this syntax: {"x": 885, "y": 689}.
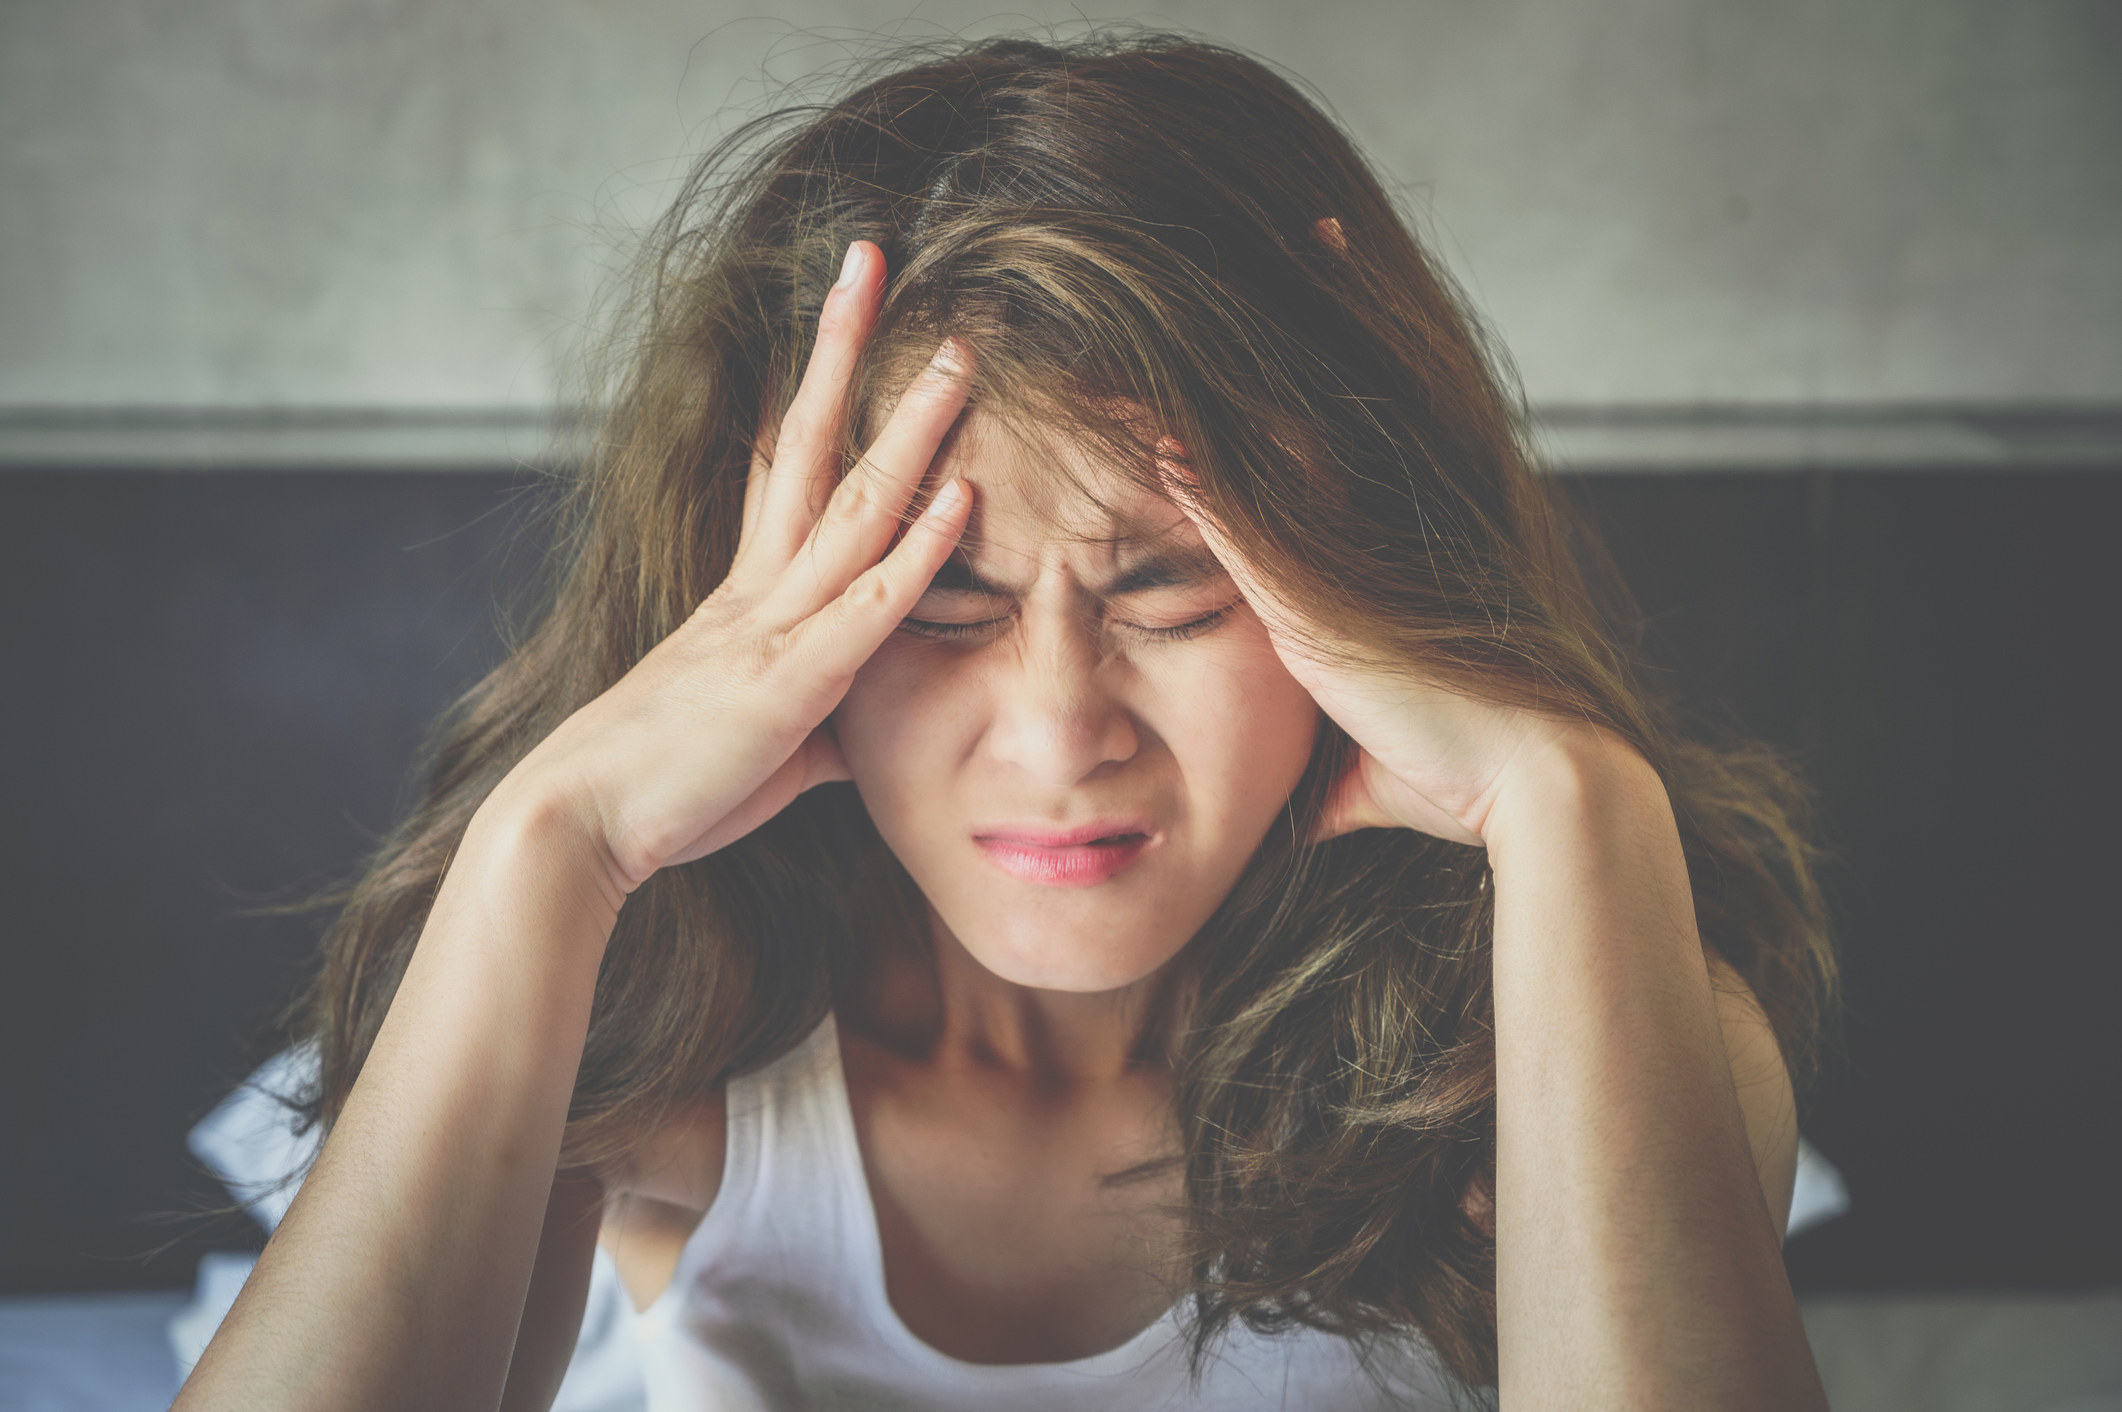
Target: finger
{"x": 1284, "y": 623}
{"x": 798, "y": 472}
{"x": 866, "y": 510}
{"x": 1178, "y": 472}
{"x": 1263, "y": 600}
{"x": 824, "y": 761}
{"x": 840, "y": 637}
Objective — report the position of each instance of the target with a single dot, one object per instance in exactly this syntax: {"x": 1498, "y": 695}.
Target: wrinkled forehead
{"x": 1041, "y": 493}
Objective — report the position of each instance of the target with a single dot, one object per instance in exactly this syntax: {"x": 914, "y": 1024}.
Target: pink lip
{"x": 1078, "y": 857}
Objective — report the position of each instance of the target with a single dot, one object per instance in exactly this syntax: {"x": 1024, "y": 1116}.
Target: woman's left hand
{"x": 1428, "y": 758}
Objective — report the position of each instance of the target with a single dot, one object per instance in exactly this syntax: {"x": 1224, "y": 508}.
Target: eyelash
{"x": 1179, "y": 632}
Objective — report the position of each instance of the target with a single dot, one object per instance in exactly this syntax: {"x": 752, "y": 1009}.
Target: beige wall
{"x": 258, "y": 203}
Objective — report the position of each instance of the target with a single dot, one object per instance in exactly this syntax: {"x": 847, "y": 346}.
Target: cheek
{"x": 1241, "y": 728}
{"x": 899, "y": 723}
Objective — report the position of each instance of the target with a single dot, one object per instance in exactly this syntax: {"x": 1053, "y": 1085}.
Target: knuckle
{"x": 732, "y": 600}
{"x": 752, "y": 658}
{"x": 871, "y": 592}
{"x": 799, "y": 430}
{"x": 856, "y": 497}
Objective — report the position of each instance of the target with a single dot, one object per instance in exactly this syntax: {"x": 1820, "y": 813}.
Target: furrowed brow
{"x": 959, "y": 576}
{"x": 1172, "y": 568}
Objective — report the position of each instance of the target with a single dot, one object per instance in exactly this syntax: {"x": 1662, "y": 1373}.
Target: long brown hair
{"x": 1134, "y": 230}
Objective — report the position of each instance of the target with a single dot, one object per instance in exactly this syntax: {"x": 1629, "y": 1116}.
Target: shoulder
{"x": 656, "y": 1196}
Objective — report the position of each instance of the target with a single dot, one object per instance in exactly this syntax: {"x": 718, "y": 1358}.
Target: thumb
{"x": 1351, "y": 806}
{"x": 823, "y": 762}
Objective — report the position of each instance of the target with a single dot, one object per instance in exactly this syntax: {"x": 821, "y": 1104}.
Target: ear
{"x": 1327, "y": 231}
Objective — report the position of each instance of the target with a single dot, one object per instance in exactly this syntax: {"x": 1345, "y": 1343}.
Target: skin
{"x": 1091, "y": 661}
{"x": 998, "y": 1064}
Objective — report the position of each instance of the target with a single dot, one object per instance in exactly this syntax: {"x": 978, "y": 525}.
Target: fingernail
{"x": 945, "y": 500}
{"x": 948, "y": 361}
{"x": 850, "y": 266}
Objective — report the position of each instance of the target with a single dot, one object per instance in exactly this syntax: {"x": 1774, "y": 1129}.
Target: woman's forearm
{"x": 1637, "y": 1263}
{"x": 398, "y": 1276}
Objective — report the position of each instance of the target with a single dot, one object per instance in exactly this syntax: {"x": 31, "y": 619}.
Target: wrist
{"x": 1586, "y": 840}
{"x": 529, "y": 835}
{"x": 1581, "y": 783}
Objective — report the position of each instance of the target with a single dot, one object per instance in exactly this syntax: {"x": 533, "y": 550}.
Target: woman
{"x": 1271, "y": 952}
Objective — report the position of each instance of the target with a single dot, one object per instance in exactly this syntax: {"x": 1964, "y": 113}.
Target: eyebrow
{"x": 1171, "y": 568}
{"x": 1167, "y": 568}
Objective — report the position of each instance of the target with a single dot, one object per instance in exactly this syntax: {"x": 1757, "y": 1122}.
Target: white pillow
{"x": 1819, "y": 1195}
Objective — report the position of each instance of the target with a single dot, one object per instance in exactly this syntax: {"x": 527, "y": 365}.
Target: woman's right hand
{"x": 722, "y": 724}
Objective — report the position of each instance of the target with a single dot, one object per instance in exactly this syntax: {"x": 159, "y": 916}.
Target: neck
{"x": 937, "y": 1001}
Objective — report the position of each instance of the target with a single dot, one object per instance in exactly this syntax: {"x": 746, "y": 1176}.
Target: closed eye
{"x": 1180, "y": 632}
{"x": 951, "y": 599}
{"x": 961, "y": 631}
{"x": 950, "y": 632}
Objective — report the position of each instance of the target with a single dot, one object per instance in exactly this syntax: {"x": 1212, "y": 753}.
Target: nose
{"x": 1057, "y": 716}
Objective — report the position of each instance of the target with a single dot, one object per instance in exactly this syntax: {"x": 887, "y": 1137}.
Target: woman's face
{"x": 1081, "y": 733}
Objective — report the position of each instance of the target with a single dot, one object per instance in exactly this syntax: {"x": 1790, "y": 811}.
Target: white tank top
{"x": 778, "y": 1303}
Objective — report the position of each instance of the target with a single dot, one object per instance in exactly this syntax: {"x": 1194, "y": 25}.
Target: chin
{"x": 1042, "y": 956}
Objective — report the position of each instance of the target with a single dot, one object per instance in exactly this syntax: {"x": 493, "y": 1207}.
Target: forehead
{"x": 1036, "y": 490}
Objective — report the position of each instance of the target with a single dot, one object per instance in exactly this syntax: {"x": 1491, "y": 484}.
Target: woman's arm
{"x": 1767, "y": 1103}
{"x": 1638, "y": 1264}
{"x": 399, "y": 1274}
{"x": 559, "y": 1290}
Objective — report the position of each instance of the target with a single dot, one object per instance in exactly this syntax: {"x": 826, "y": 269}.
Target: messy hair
{"x": 1151, "y": 242}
